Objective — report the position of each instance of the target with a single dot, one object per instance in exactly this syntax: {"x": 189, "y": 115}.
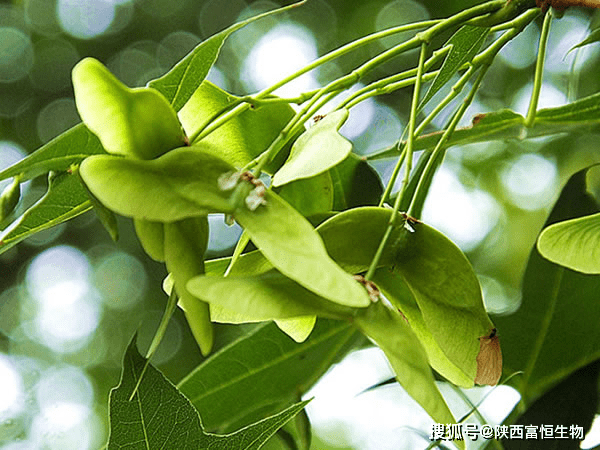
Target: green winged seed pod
{"x": 10, "y": 198}
{"x": 138, "y": 123}
{"x": 185, "y": 242}
{"x": 152, "y": 238}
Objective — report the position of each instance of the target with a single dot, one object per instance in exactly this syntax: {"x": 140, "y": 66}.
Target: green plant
{"x": 169, "y": 154}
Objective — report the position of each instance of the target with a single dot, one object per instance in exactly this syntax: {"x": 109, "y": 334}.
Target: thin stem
{"x": 485, "y": 57}
{"x": 539, "y": 70}
{"x": 237, "y": 252}
{"x": 410, "y": 145}
{"x": 394, "y": 82}
{"x": 390, "y": 88}
{"x": 290, "y": 130}
{"x": 390, "y": 185}
{"x": 351, "y": 46}
{"x": 435, "y": 27}
{"x": 447, "y": 134}
{"x": 454, "y": 91}
{"x": 409, "y": 152}
{"x": 158, "y": 336}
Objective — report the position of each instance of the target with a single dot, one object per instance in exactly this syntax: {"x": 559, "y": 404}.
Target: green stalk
{"x": 158, "y": 336}
{"x": 539, "y": 70}
{"x": 422, "y": 38}
{"x": 440, "y": 145}
{"x": 409, "y": 153}
{"x": 435, "y": 27}
{"x": 390, "y": 84}
{"x": 414, "y": 110}
{"x": 350, "y": 47}
{"x": 485, "y": 57}
{"x": 237, "y": 252}
{"x": 390, "y": 185}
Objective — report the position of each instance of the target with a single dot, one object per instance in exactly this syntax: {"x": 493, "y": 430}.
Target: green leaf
{"x": 251, "y": 263}
{"x": 555, "y": 330}
{"x": 398, "y": 293}
{"x": 261, "y": 297}
{"x": 293, "y": 246}
{"x": 438, "y": 274}
{"x": 573, "y": 243}
{"x": 593, "y": 37}
{"x": 241, "y": 139}
{"x": 255, "y": 374}
{"x": 464, "y": 45}
{"x": 571, "y": 402}
{"x": 309, "y": 196}
{"x": 406, "y": 356}
{"x": 185, "y": 243}
{"x": 579, "y": 116}
{"x": 447, "y": 291}
{"x": 355, "y": 183}
{"x": 180, "y": 184}
{"x": 308, "y": 157}
{"x": 353, "y": 236}
{"x": 65, "y": 199}
{"x": 179, "y": 84}
{"x": 136, "y": 122}
{"x": 58, "y": 155}
{"x": 160, "y": 416}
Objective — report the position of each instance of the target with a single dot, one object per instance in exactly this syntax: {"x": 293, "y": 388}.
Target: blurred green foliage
{"x": 146, "y": 37}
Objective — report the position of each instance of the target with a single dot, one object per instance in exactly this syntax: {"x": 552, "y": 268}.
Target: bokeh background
{"x": 70, "y": 298}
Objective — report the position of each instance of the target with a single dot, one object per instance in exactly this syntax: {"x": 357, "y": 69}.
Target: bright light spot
{"x": 10, "y": 153}
{"x": 592, "y": 438}
{"x": 84, "y": 19}
{"x": 499, "y": 403}
{"x": 495, "y": 296}
{"x": 565, "y": 34}
{"x": 64, "y": 384}
{"x": 382, "y": 131}
{"x": 53, "y": 267}
{"x": 217, "y": 77}
{"x": 68, "y": 311}
{"x": 21, "y": 445}
{"x": 121, "y": 280}
{"x": 550, "y": 97}
{"x": 361, "y": 116}
{"x": 11, "y": 388}
{"x": 63, "y": 426}
{"x": 344, "y": 415}
{"x": 279, "y": 53}
{"x": 522, "y": 51}
{"x": 222, "y": 236}
{"x": 66, "y": 328}
{"x": 531, "y": 182}
{"x": 494, "y": 403}
{"x": 466, "y": 216}
{"x": 16, "y": 54}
